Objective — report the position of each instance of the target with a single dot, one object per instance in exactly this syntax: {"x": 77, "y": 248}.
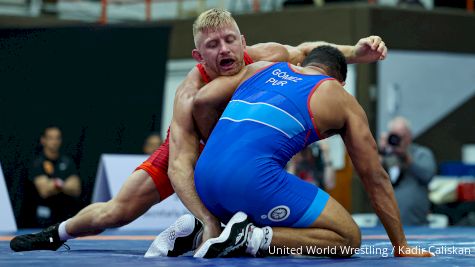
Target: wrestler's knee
{"x": 351, "y": 240}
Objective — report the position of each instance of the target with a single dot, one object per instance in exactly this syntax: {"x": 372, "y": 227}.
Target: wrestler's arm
{"x": 349, "y": 118}
{"x": 211, "y": 100}
{"x": 184, "y": 145}
{"x": 366, "y": 50}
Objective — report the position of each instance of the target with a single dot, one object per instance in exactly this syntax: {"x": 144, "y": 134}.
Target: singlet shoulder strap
{"x": 247, "y": 59}
{"x": 204, "y": 75}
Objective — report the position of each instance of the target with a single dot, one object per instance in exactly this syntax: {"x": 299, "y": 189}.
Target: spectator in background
{"x": 56, "y": 180}
{"x": 152, "y": 143}
{"x": 313, "y": 164}
{"x": 410, "y": 167}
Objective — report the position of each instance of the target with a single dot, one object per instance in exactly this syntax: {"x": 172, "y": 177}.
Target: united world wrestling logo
{"x": 279, "y": 213}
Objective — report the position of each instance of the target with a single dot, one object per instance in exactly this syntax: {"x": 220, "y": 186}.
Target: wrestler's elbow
{"x": 174, "y": 180}
{"x": 178, "y": 169}
{"x": 173, "y": 168}
{"x": 200, "y": 106}
{"x": 379, "y": 188}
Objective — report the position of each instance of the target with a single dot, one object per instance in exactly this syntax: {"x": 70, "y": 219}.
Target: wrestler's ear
{"x": 243, "y": 41}
{"x": 197, "y": 56}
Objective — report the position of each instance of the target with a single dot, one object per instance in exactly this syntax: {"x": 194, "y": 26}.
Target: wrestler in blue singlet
{"x": 242, "y": 167}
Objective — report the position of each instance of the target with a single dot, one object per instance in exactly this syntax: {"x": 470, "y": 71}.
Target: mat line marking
{"x": 152, "y": 237}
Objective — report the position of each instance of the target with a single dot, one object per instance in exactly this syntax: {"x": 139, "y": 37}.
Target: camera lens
{"x": 394, "y": 139}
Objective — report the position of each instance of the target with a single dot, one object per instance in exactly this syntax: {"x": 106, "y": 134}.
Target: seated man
{"x": 278, "y": 110}
{"x": 56, "y": 181}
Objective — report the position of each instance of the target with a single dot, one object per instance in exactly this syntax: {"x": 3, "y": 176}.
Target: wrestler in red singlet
{"x": 157, "y": 164}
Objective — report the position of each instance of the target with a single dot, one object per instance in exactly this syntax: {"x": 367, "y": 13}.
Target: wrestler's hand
{"x": 408, "y": 251}
{"x": 369, "y": 49}
{"x": 211, "y": 229}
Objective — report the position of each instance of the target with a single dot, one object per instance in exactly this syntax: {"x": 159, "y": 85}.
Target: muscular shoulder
{"x": 190, "y": 85}
{"x": 333, "y": 89}
{"x": 254, "y": 67}
{"x": 331, "y": 105}
{"x": 271, "y": 51}
{"x": 233, "y": 81}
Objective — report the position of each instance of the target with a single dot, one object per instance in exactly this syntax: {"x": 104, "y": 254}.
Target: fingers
{"x": 377, "y": 44}
{"x": 423, "y": 254}
{"x": 383, "y": 50}
{"x": 370, "y": 49}
{"x": 372, "y": 41}
{"x": 408, "y": 252}
{"x": 428, "y": 253}
{"x": 382, "y": 47}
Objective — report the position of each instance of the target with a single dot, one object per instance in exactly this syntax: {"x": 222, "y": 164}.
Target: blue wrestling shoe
{"x": 182, "y": 236}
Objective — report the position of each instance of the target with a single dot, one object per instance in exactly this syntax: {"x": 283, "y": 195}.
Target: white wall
{"x": 7, "y": 221}
{"x": 423, "y": 86}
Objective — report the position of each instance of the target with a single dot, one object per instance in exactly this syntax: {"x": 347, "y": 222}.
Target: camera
{"x": 394, "y": 140}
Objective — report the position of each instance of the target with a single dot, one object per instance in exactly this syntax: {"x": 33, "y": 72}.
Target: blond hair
{"x": 212, "y": 19}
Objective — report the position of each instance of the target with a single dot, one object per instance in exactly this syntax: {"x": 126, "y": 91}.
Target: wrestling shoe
{"x": 182, "y": 236}
{"x": 233, "y": 241}
{"x": 48, "y": 239}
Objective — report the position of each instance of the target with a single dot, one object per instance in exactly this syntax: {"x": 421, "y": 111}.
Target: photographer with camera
{"x": 410, "y": 167}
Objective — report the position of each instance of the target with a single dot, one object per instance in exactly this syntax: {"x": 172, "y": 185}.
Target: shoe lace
{"x": 236, "y": 250}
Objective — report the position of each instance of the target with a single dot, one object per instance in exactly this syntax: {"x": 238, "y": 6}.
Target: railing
{"x": 106, "y": 11}
{"x": 256, "y": 6}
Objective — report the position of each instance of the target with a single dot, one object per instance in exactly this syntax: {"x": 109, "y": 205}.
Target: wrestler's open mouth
{"x": 226, "y": 62}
